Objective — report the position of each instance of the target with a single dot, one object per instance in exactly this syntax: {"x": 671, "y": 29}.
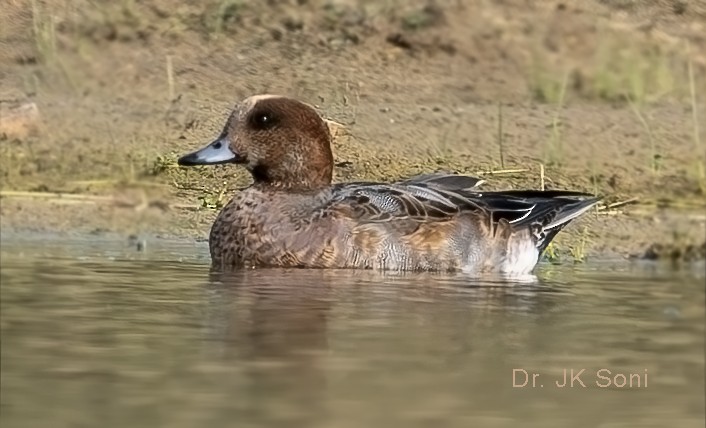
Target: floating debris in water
{"x": 136, "y": 242}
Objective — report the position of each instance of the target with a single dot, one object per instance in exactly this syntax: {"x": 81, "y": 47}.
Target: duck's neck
{"x": 292, "y": 181}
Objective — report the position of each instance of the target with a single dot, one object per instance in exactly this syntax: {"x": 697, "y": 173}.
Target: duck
{"x": 294, "y": 216}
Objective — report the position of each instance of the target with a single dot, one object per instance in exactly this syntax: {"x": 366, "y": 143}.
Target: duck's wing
{"x": 434, "y": 196}
{"x": 376, "y": 202}
{"x": 414, "y": 201}
{"x": 444, "y": 181}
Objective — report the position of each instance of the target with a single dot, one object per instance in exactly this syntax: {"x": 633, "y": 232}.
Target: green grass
{"x": 577, "y": 250}
{"x": 224, "y": 13}
{"x": 655, "y": 158}
{"x": 644, "y": 74}
{"x": 420, "y": 18}
{"x": 699, "y": 161}
{"x": 554, "y": 149}
{"x": 551, "y": 254}
{"x": 500, "y": 136}
{"x": 544, "y": 85}
{"x": 215, "y": 200}
{"x": 620, "y": 69}
{"x": 44, "y": 31}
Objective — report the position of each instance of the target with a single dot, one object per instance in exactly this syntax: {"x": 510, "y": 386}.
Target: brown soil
{"x": 597, "y": 92}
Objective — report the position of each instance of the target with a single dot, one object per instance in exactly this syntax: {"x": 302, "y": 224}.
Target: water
{"x": 97, "y": 334}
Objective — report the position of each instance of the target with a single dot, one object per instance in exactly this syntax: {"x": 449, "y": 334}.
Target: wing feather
{"x": 443, "y": 197}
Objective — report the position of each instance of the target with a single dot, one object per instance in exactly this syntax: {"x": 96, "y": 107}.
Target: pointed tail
{"x": 546, "y": 231}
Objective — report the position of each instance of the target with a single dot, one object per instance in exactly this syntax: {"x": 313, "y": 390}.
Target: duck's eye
{"x": 263, "y": 120}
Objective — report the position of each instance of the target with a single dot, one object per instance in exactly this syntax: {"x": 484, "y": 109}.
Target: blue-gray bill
{"x": 218, "y": 152}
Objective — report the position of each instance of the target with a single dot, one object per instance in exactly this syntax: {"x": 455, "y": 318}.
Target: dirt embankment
{"x": 98, "y": 98}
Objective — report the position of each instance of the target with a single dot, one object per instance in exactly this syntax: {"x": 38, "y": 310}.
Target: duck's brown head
{"x": 281, "y": 141}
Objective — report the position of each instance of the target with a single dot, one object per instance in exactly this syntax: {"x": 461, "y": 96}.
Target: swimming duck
{"x": 293, "y": 216}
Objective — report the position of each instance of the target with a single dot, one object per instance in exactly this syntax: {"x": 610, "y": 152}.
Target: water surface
{"x": 97, "y": 334}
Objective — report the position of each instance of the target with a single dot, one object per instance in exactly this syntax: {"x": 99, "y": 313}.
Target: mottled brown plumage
{"x": 292, "y": 216}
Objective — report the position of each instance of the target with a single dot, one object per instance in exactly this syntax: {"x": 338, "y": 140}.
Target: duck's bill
{"x": 217, "y": 152}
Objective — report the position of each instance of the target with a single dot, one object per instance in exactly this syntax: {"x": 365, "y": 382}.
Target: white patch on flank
{"x": 522, "y": 255}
